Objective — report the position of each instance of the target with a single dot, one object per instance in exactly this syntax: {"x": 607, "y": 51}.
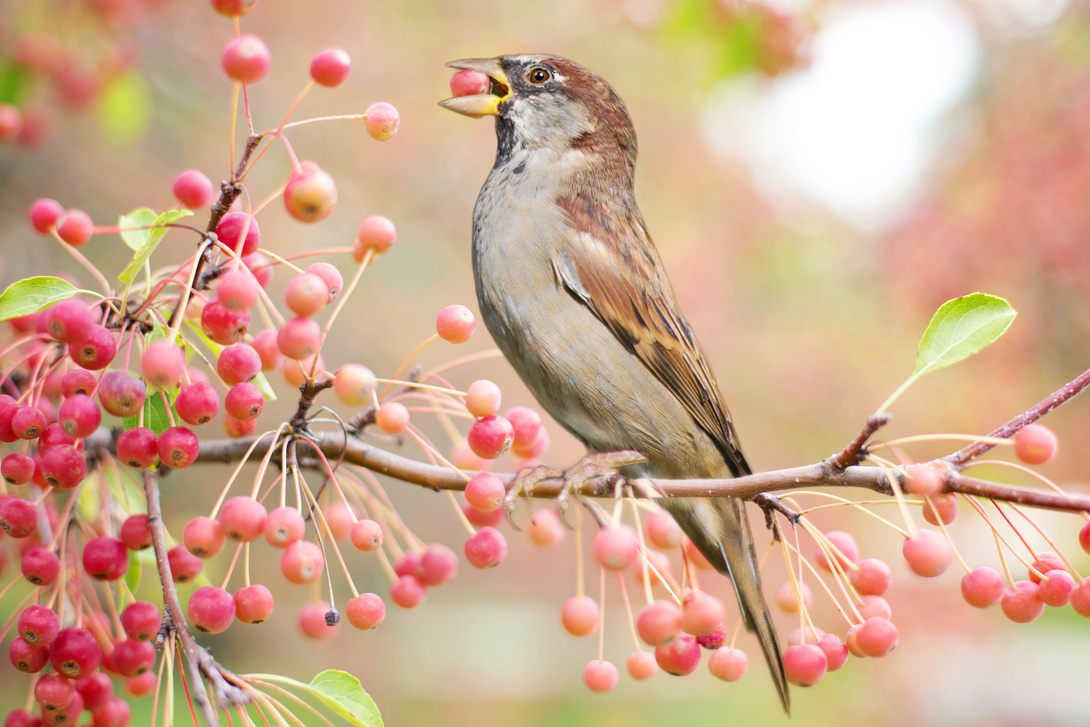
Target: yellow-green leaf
{"x": 31, "y": 295}
{"x": 159, "y": 227}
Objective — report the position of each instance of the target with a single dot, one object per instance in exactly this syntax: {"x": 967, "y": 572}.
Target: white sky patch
{"x": 854, "y": 131}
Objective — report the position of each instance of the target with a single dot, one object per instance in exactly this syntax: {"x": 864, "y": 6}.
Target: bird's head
{"x": 544, "y": 101}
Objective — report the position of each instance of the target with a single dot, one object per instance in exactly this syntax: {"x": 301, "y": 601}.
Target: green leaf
{"x": 160, "y": 225}
{"x": 156, "y": 417}
{"x": 136, "y": 227}
{"x": 960, "y": 327}
{"x": 30, "y": 295}
{"x": 343, "y": 693}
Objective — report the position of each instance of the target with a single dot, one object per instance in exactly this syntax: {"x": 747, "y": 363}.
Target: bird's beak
{"x": 484, "y": 104}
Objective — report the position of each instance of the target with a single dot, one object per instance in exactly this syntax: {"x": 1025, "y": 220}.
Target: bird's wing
{"x": 612, "y": 267}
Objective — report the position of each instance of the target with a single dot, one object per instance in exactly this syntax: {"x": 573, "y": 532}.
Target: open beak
{"x": 484, "y": 104}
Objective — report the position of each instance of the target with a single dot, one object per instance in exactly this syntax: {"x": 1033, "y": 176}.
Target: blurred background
{"x": 818, "y": 175}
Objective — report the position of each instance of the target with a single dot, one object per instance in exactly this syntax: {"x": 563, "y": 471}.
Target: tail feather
{"x": 720, "y": 530}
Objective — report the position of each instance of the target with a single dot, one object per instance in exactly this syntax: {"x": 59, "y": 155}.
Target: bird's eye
{"x": 539, "y": 75}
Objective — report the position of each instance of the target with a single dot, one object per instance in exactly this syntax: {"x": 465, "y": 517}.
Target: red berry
{"x": 121, "y": 394}
{"x": 330, "y": 67}
{"x": 197, "y": 403}
{"x": 193, "y": 189}
{"x": 243, "y": 518}
{"x": 44, "y": 214}
{"x": 40, "y": 566}
{"x": 1035, "y": 444}
{"x": 469, "y": 83}
{"x": 53, "y": 692}
{"x": 490, "y": 437}
{"x": 68, "y": 321}
{"x": 382, "y": 121}
{"x": 455, "y": 324}
{"x": 678, "y": 657}
{"x": 211, "y": 610}
{"x": 178, "y": 447}
{"x": 29, "y": 422}
{"x": 804, "y": 664}
{"x": 27, "y": 658}
{"x": 184, "y": 566}
{"x": 75, "y": 653}
{"x": 133, "y": 658}
{"x": 138, "y": 447}
{"x": 224, "y": 325}
{"x": 18, "y": 518}
{"x": 238, "y": 363}
{"x": 135, "y": 533}
{"x": 63, "y": 467}
{"x": 580, "y": 614}
{"x": 141, "y": 621}
{"x": 1023, "y": 604}
{"x": 231, "y": 229}
{"x": 11, "y": 122}
{"x": 928, "y": 553}
{"x": 105, "y": 558}
{"x": 486, "y": 549}
{"x": 299, "y": 338}
{"x": 246, "y": 59}
{"x": 600, "y": 676}
{"x": 79, "y": 416}
{"x": 17, "y": 468}
{"x": 365, "y": 611}
{"x": 116, "y": 712}
{"x": 315, "y": 620}
{"x": 77, "y": 381}
{"x": 38, "y": 625}
{"x": 253, "y": 604}
{"x": 96, "y": 690}
{"x": 75, "y": 228}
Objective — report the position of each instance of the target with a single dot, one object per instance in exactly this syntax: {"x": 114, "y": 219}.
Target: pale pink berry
{"x": 302, "y": 562}
{"x": 874, "y": 606}
{"x": 455, "y": 324}
{"x": 788, "y": 598}
{"x": 928, "y": 553}
{"x": 382, "y": 121}
{"x": 701, "y": 613}
{"x": 238, "y": 363}
{"x": 162, "y": 364}
{"x": 804, "y": 664}
{"x": 244, "y": 402}
{"x": 366, "y": 535}
{"x": 1056, "y": 591}
{"x": 237, "y": 290}
{"x": 310, "y": 196}
{"x": 354, "y": 384}
{"x": 485, "y": 491}
{"x": 1045, "y": 563}
{"x": 204, "y": 537}
{"x": 659, "y": 623}
{"x": 408, "y": 592}
{"x": 490, "y": 437}
{"x": 1035, "y": 444}
{"x": 544, "y": 528}
{"x": 365, "y": 611}
{"x": 877, "y": 637}
{"x": 941, "y": 508}
{"x": 299, "y": 338}
{"x": 873, "y": 577}
{"x": 600, "y": 676}
{"x": 1080, "y": 597}
{"x": 438, "y": 564}
{"x": 1023, "y": 604}
{"x": 243, "y": 518}
{"x": 641, "y": 665}
{"x": 330, "y": 67}
{"x": 982, "y": 587}
{"x": 487, "y": 548}
{"x": 284, "y": 526}
{"x": 678, "y": 657}
{"x": 615, "y": 547}
{"x": 836, "y": 651}
{"x": 580, "y": 614}
{"x": 842, "y": 542}
{"x": 330, "y": 275}
{"x": 392, "y": 417}
{"x": 662, "y": 530}
{"x": 246, "y": 59}
{"x": 924, "y": 479}
{"x": 728, "y": 664}
{"x": 253, "y": 604}
{"x": 483, "y": 398}
{"x": 193, "y": 189}
{"x": 377, "y": 234}
{"x": 318, "y": 621}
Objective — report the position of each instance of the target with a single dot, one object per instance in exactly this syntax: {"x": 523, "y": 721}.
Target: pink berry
{"x": 330, "y": 275}
{"x": 138, "y": 447}
{"x": 237, "y": 290}
{"x": 18, "y": 518}
{"x": 233, "y": 8}
{"x": 211, "y": 609}
{"x": 40, "y": 566}
{"x": 580, "y": 614}
{"x": 79, "y": 416}
{"x": 246, "y": 59}
{"x": 38, "y": 625}
{"x": 105, "y": 558}
{"x": 483, "y": 398}
{"x": 77, "y": 381}
{"x": 265, "y": 345}
{"x": 600, "y": 676}
{"x": 121, "y": 394}
{"x": 75, "y": 653}
{"x": 842, "y": 542}
{"x": 193, "y": 189}
{"x": 238, "y": 363}
{"x": 261, "y": 266}
{"x": 925, "y": 479}
{"x": 307, "y": 294}
{"x": 641, "y": 665}
{"x": 96, "y": 351}
{"x": 354, "y": 384}
{"x": 486, "y": 549}
{"x": 243, "y": 519}
{"x": 701, "y": 613}
{"x": 874, "y": 606}
{"x": 615, "y": 547}
{"x": 135, "y": 533}
{"x": 455, "y": 324}
{"x": 44, "y": 214}
{"x": 75, "y": 228}
{"x": 1056, "y": 591}
{"x": 366, "y": 535}
{"x": 96, "y": 690}
{"x": 284, "y": 526}
{"x": 54, "y": 436}
{"x": 804, "y": 664}
{"x": 299, "y": 338}
{"x": 836, "y": 651}
{"x": 928, "y": 553}
{"x": 231, "y": 229}
{"x": 941, "y": 508}
{"x": 659, "y": 623}
{"x": 382, "y": 121}
{"x": 365, "y": 611}
{"x": 661, "y": 529}
{"x": 788, "y": 598}
{"x": 727, "y": 664}
{"x": 485, "y": 491}
{"x": 204, "y": 537}
{"x": 330, "y": 67}
{"x": 408, "y": 592}
{"x": 544, "y": 528}
{"x": 224, "y": 325}
{"x": 317, "y": 621}
{"x": 132, "y": 658}
{"x": 244, "y": 402}
{"x": 377, "y": 234}
{"x": 17, "y": 468}
{"x": 678, "y": 657}
{"x": 302, "y": 562}
{"x": 480, "y": 519}
{"x": 1035, "y": 444}
{"x": 438, "y": 564}
{"x": 53, "y": 692}
{"x": 68, "y": 321}
{"x": 392, "y": 418}
{"x": 1080, "y": 597}
{"x": 877, "y": 637}
{"x": 184, "y": 566}
{"x": 11, "y": 122}
{"x": 873, "y": 578}
{"x": 1023, "y": 604}
{"x": 253, "y": 604}
{"x": 162, "y": 364}
{"x": 29, "y": 422}
{"x": 141, "y": 621}
{"x": 1046, "y": 563}
{"x": 469, "y": 83}
{"x": 1084, "y": 537}
{"x": 310, "y": 196}
{"x": 490, "y": 437}
{"x": 178, "y": 447}
{"x": 27, "y": 658}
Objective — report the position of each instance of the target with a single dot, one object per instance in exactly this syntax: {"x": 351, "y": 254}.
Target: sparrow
{"x": 572, "y": 289}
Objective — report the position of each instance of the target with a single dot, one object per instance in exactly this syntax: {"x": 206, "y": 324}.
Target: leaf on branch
{"x": 156, "y": 416}
{"x": 142, "y": 231}
{"x": 31, "y": 295}
{"x": 960, "y": 327}
{"x": 344, "y": 694}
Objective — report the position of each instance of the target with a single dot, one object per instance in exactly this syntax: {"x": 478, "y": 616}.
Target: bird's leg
{"x": 523, "y": 484}
{"x": 595, "y": 464}
{"x": 771, "y": 504}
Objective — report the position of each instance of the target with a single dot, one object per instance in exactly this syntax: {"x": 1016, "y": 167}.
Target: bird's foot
{"x": 594, "y": 465}
{"x": 523, "y": 484}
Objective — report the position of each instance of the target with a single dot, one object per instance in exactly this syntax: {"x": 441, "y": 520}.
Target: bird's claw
{"x": 523, "y": 485}
{"x": 593, "y": 465}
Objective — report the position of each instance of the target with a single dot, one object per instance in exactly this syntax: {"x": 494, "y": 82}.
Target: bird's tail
{"x": 720, "y": 530}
